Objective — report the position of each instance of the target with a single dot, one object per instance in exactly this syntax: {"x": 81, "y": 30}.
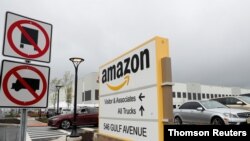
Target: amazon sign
{"x": 131, "y": 64}
{"x": 128, "y": 71}
{"x": 130, "y": 96}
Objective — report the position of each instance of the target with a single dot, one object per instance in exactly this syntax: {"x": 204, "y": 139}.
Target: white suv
{"x": 66, "y": 111}
{"x": 239, "y": 102}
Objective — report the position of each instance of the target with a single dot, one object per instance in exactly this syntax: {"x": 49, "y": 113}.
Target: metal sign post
{"x": 23, "y": 125}
{"x": 25, "y": 85}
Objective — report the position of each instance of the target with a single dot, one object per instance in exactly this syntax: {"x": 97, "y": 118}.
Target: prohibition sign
{"x": 18, "y": 24}
{"x": 14, "y": 71}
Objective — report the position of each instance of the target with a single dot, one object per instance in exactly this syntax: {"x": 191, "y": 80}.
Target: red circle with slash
{"x": 18, "y": 24}
{"x": 14, "y": 72}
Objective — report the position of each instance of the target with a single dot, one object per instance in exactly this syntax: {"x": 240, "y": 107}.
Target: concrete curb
{"x": 9, "y": 125}
{"x": 9, "y": 132}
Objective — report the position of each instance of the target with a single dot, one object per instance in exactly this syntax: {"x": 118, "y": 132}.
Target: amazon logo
{"x": 123, "y": 69}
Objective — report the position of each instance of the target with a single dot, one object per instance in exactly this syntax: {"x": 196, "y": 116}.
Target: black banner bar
{"x": 199, "y": 132}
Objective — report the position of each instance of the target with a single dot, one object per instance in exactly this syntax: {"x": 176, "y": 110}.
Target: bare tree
{"x": 69, "y": 96}
{"x": 53, "y": 83}
{"x": 67, "y": 83}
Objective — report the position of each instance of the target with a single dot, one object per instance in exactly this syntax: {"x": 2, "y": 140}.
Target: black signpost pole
{"x": 58, "y": 89}
{"x": 76, "y": 62}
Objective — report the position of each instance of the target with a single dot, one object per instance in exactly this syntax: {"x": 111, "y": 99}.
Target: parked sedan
{"x": 210, "y": 112}
{"x": 239, "y": 102}
{"x": 247, "y": 94}
{"x": 85, "y": 116}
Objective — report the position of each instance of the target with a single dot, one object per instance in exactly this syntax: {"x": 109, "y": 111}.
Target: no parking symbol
{"x": 24, "y": 85}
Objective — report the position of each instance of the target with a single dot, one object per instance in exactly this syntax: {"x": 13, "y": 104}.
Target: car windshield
{"x": 211, "y": 104}
{"x": 245, "y": 99}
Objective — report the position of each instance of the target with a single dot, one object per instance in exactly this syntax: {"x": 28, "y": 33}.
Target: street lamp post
{"x": 58, "y": 87}
{"x": 76, "y": 61}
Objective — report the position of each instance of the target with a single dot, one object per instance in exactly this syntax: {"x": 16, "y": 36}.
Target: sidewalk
{"x": 32, "y": 122}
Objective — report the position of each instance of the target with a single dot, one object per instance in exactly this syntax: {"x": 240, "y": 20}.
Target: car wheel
{"x": 177, "y": 120}
{"x": 65, "y": 124}
{"x": 217, "y": 121}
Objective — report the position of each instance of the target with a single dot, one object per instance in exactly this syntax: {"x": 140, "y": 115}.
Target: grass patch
{"x": 10, "y": 121}
{"x": 43, "y": 119}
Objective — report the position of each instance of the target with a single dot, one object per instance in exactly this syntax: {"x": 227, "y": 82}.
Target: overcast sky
{"x": 209, "y": 39}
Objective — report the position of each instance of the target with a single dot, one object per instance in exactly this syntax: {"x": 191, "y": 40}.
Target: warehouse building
{"x": 183, "y": 92}
{"x": 88, "y": 91}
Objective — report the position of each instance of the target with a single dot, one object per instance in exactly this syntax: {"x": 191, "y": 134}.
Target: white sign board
{"x": 129, "y": 99}
{"x": 138, "y": 104}
{"x": 27, "y": 38}
{"x": 24, "y": 85}
{"x": 135, "y": 130}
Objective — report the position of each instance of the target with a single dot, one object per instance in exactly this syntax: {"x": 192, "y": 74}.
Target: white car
{"x": 66, "y": 111}
{"x": 210, "y": 112}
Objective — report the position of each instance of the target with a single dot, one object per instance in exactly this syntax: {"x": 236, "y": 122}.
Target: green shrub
{"x": 43, "y": 119}
{"x": 10, "y": 121}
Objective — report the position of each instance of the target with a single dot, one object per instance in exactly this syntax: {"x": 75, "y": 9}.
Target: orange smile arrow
{"x": 118, "y": 87}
